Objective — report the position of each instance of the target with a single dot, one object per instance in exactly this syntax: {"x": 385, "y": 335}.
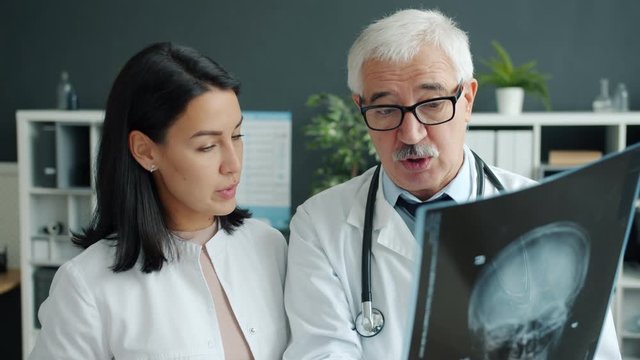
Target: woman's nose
{"x": 231, "y": 163}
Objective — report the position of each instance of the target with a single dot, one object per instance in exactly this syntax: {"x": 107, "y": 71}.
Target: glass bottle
{"x": 72, "y": 100}
{"x": 602, "y": 102}
{"x": 63, "y": 91}
{"x": 621, "y": 98}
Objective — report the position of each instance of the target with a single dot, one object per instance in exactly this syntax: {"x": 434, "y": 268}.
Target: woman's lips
{"x": 228, "y": 193}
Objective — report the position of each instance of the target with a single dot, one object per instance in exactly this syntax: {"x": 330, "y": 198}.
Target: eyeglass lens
{"x": 430, "y": 112}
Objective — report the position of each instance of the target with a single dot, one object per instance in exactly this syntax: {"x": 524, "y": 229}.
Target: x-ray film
{"x": 525, "y": 275}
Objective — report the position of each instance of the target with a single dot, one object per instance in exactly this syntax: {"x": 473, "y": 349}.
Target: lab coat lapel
{"x": 389, "y": 230}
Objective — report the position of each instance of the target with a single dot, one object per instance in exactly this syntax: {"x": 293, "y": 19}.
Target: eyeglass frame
{"x": 412, "y": 109}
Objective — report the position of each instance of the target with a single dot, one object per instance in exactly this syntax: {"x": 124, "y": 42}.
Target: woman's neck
{"x": 200, "y": 235}
{"x": 192, "y": 225}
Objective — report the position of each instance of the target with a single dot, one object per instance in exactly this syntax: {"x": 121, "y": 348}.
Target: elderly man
{"x": 411, "y": 74}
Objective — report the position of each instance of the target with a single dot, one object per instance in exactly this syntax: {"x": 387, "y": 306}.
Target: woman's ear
{"x": 143, "y": 149}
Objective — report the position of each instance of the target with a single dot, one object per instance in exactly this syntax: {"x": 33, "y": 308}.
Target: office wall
{"x": 9, "y": 214}
{"x": 285, "y": 50}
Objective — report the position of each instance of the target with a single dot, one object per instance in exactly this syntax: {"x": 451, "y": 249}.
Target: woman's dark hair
{"x": 151, "y": 91}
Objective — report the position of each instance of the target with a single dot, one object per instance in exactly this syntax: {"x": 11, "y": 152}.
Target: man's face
{"x": 430, "y": 74}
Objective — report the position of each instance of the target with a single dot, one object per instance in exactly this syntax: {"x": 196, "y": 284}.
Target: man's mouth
{"x": 415, "y": 163}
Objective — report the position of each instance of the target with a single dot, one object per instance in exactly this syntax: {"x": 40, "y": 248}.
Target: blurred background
{"x": 285, "y": 50}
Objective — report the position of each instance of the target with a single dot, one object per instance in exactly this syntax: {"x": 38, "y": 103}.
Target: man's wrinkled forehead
{"x": 435, "y": 87}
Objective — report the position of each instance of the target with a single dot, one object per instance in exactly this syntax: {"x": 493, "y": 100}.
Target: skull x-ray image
{"x": 521, "y": 301}
{"x": 527, "y": 274}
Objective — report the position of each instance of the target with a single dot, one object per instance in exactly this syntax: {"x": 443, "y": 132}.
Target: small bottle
{"x": 63, "y": 91}
{"x": 621, "y": 98}
{"x": 602, "y": 102}
{"x": 72, "y": 100}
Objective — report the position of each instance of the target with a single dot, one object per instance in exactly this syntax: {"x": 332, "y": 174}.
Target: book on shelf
{"x": 573, "y": 157}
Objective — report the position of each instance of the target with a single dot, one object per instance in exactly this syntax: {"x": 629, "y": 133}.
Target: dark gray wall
{"x": 285, "y": 50}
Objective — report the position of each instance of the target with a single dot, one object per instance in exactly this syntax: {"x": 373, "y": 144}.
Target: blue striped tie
{"x": 411, "y": 207}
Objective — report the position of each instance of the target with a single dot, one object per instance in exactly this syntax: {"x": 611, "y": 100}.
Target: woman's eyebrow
{"x": 206, "y": 133}
{"x": 213, "y": 132}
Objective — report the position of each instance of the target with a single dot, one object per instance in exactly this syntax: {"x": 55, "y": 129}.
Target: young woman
{"x": 172, "y": 268}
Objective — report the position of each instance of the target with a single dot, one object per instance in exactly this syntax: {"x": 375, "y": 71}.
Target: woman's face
{"x": 200, "y": 161}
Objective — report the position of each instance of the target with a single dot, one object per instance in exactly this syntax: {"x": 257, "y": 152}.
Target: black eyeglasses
{"x": 434, "y": 111}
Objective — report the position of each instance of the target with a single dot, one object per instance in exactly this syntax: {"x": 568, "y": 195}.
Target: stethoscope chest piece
{"x": 370, "y": 321}
{"x": 368, "y": 326}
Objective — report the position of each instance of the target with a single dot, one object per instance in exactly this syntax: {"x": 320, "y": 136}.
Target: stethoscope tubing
{"x": 366, "y": 238}
{"x": 482, "y": 170}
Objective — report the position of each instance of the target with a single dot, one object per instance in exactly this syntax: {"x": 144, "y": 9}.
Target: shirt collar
{"x": 459, "y": 189}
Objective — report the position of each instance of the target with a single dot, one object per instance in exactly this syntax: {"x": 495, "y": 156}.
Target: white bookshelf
{"x": 56, "y": 152}
{"x": 566, "y": 131}
{"x": 68, "y": 196}
{"x": 605, "y": 132}
{"x": 628, "y": 300}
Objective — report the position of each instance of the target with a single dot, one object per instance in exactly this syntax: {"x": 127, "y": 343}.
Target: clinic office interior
{"x": 283, "y": 52}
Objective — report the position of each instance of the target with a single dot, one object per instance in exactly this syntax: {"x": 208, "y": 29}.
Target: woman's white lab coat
{"x": 323, "y": 286}
{"x": 93, "y": 313}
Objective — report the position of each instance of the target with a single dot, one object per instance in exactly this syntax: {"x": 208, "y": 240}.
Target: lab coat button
{"x": 252, "y": 331}
{"x": 210, "y": 344}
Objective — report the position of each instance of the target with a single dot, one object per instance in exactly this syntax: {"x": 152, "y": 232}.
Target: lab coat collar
{"x": 473, "y": 174}
{"x": 392, "y": 231}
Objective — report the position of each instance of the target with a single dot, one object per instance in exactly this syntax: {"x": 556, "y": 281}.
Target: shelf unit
{"x": 628, "y": 301}
{"x": 605, "y": 132}
{"x": 56, "y": 152}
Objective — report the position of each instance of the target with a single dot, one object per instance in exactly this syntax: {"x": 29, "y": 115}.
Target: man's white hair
{"x": 399, "y": 37}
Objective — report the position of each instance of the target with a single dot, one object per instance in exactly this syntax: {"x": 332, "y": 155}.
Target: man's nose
{"x": 411, "y": 131}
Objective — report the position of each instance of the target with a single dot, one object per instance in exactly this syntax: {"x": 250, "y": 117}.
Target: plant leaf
{"x": 502, "y": 73}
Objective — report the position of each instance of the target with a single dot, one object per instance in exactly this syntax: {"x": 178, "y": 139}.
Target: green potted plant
{"x": 512, "y": 81}
{"x": 340, "y": 131}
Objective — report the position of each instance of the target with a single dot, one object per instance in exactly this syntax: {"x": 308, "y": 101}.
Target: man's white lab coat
{"x": 323, "y": 286}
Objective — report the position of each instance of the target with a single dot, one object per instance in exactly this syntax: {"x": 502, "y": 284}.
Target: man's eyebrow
{"x": 433, "y": 86}
{"x": 377, "y": 96}
{"x": 214, "y": 132}
{"x": 426, "y": 86}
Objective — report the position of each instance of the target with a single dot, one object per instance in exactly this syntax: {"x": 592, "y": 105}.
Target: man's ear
{"x": 356, "y": 99}
{"x": 143, "y": 149}
{"x": 469, "y": 93}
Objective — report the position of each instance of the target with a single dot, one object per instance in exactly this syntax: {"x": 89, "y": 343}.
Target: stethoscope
{"x": 370, "y": 320}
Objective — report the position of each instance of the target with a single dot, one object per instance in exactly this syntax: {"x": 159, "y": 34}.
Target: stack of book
{"x": 573, "y": 157}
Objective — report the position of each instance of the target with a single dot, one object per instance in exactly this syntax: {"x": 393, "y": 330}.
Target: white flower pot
{"x": 510, "y": 100}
